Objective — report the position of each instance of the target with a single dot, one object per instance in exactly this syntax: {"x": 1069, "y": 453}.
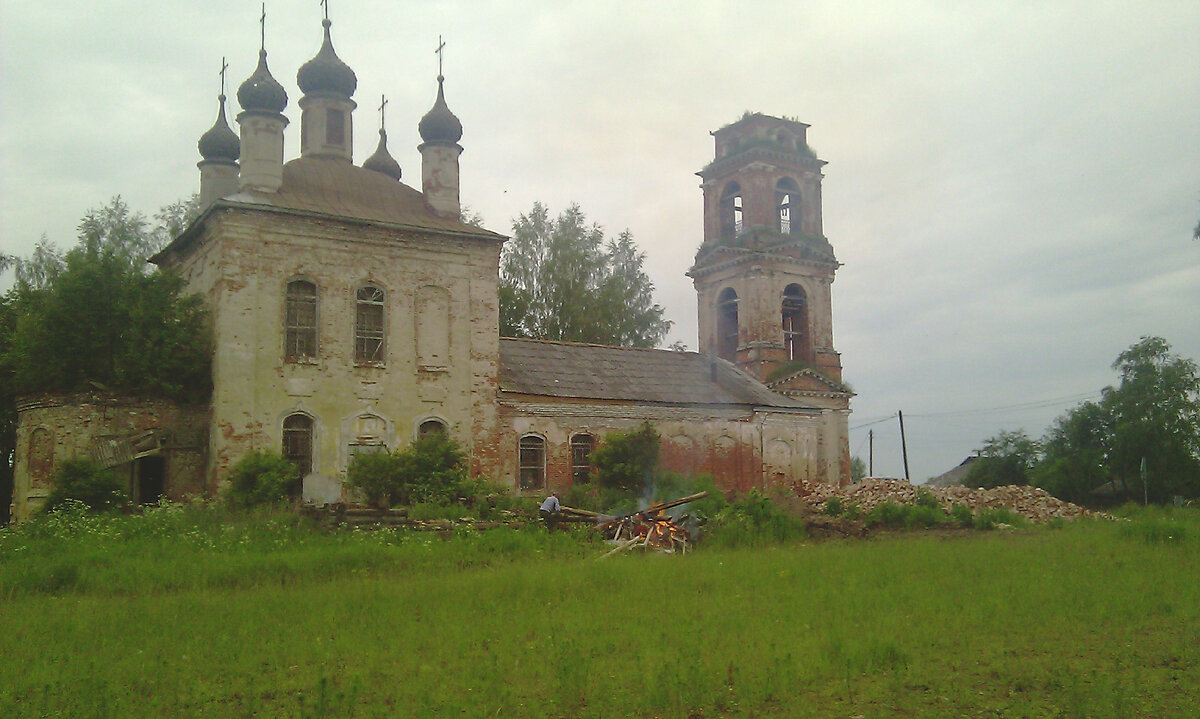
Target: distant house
{"x": 954, "y": 476}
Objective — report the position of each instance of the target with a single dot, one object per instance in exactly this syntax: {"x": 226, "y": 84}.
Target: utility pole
{"x": 870, "y": 453}
{"x": 903, "y": 444}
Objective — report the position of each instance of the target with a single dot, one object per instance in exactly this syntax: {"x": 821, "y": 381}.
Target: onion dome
{"x": 326, "y": 73}
{"x": 382, "y": 161}
{"x": 261, "y": 92}
{"x": 439, "y": 124}
{"x": 220, "y": 143}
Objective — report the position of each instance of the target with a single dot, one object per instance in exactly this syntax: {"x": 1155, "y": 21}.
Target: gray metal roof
{"x": 583, "y": 371}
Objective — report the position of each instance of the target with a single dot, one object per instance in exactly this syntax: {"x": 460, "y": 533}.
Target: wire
{"x": 1036, "y": 404}
{"x": 878, "y": 421}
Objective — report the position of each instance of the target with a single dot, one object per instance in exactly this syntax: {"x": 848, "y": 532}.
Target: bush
{"x": 962, "y": 516}
{"x": 85, "y": 481}
{"x": 992, "y": 517}
{"x": 752, "y": 521}
{"x": 890, "y": 514}
{"x": 433, "y": 469}
{"x": 833, "y": 507}
{"x": 261, "y": 478}
{"x": 925, "y": 498}
{"x": 627, "y": 460}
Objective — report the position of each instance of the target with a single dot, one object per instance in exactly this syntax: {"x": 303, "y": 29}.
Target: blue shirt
{"x": 551, "y": 504}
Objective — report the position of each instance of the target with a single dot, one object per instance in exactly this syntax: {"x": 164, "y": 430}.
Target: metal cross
{"x": 441, "y": 46}
{"x": 262, "y": 28}
{"x": 325, "y": 5}
{"x": 224, "y": 67}
{"x": 382, "y": 105}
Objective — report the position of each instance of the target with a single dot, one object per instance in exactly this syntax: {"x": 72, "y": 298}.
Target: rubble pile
{"x": 1032, "y": 503}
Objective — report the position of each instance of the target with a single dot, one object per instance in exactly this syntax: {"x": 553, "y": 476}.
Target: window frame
{"x": 295, "y": 333}
{"x": 794, "y": 321}
{"x": 364, "y": 336}
{"x": 538, "y": 467}
{"x": 582, "y": 469}
{"x": 306, "y": 435}
{"x": 728, "y": 337}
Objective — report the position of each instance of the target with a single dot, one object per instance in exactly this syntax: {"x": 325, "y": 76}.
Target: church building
{"x": 352, "y": 312}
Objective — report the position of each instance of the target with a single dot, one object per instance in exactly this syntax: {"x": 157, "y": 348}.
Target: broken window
{"x": 787, "y": 206}
{"x": 431, "y": 427}
{"x": 795, "y": 323}
{"x": 532, "y": 462}
{"x": 368, "y": 324}
{"x": 300, "y": 320}
{"x": 298, "y": 442}
{"x": 727, "y": 324}
{"x": 731, "y": 210}
{"x": 581, "y": 458}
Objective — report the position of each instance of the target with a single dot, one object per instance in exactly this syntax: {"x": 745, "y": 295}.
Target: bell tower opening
{"x": 731, "y": 210}
{"x": 795, "y": 324}
{"x": 787, "y": 206}
{"x": 727, "y": 325}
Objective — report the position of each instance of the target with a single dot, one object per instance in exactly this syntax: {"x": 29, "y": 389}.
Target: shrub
{"x": 753, "y": 521}
{"x": 261, "y": 478}
{"x": 962, "y": 516}
{"x": 432, "y": 469}
{"x": 85, "y": 481}
{"x": 375, "y": 476}
{"x": 992, "y": 517}
{"x": 627, "y": 460}
{"x": 852, "y": 511}
{"x": 920, "y": 515}
{"x": 833, "y": 506}
{"x": 890, "y": 514}
{"x": 925, "y": 498}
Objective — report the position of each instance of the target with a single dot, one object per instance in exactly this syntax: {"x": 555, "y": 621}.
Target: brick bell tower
{"x": 764, "y": 271}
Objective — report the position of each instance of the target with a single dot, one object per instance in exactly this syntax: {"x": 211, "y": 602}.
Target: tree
{"x": 627, "y": 460}
{"x": 1006, "y": 459}
{"x": 1074, "y": 462}
{"x": 858, "y": 469}
{"x": 561, "y": 280}
{"x": 1154, "y": 415}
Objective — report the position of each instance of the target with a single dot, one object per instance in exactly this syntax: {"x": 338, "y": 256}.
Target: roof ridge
{"x": 601, "y": 346}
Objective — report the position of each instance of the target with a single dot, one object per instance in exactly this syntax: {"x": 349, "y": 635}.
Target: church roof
{"x": 335, "y": 187}
{"x": 598, "y": 372}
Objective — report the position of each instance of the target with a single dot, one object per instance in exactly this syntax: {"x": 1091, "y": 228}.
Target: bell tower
{"x": 764, "y": 271}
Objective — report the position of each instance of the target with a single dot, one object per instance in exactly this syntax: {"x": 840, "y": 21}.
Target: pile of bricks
{"x": 1033, "y": 503}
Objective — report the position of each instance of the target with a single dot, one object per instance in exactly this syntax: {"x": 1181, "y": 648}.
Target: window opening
{"x": 298, "y": 442}
{"x": 581, "y": 458}
{"x": 794, "y": 322}
{"x": 532, "y": 462}
{"x": 727, "y": 325}
{"x": 368, "y": 324}
{"x": 787, "y": 206}
{"x": 431, "y": 427}
{"x": 335, "y": 127}
{"x": 300, "y": 320}
{"x": 731, "y": 210}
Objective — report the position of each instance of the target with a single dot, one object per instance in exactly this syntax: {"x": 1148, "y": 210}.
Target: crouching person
{"x": 549, "y": 511}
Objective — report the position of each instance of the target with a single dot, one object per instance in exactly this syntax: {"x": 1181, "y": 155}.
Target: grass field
{"x": 197, "y": 612}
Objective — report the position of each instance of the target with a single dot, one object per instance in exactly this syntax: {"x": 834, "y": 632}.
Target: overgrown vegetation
{"x": 1140, "y": 441}
{"x": 432, "y": 470}
{"x": 259, "y": 613}
{"x": 85, "y": 482}
{"x": 261, "y": 478}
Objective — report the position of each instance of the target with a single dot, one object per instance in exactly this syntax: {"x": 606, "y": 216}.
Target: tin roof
{"x": 583, "y": 371}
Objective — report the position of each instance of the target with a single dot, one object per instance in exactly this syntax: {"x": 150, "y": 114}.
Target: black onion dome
{"x": 220, "y": 143}
{"x": 261, "y": 92}
{"x": 382, "y": 160}
{"x": 326, "y": 72}
{"x": 439, "y": 124}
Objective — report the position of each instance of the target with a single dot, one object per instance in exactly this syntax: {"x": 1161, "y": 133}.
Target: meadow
{"x": 200, "y": 611}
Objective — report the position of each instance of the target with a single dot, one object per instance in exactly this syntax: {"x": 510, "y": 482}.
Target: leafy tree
{"x": 432, "y": 469}
{"x": 1006, "y": 459}
{"x": 858, "y": 470}
{"x": 561, "y": 280}
{"x": 1074, "y": 462}
{"x": 1154, "y": 415}
{"x": 627, "y": 460}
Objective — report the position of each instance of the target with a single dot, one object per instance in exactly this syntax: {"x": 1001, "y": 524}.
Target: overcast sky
{"x": 1011, "y": 186}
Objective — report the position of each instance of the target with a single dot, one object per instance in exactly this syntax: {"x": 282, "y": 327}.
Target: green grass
{"x": 197, "y": 614}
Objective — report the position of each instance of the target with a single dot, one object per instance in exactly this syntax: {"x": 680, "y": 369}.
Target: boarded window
{"x": 369, "y": 324}
{"x": 433, "y": 327}
{"x": 532, "y": 462}
{"x": 300, "y": 320}
{"x": 727, "y": 324}
{"x": 335, "y": 127}
{"x": 370, "y": 435}
{"x": 795, "y": 323}
{"x": 41, "y": 456}
{"x": 298, "y": 442}
{"x": 581, "y": 458}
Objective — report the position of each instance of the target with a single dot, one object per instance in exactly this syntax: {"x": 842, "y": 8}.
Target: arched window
{"x": 727, "y": 324}
{"x": 787, "y": 206}
{"x": 582, "y": 445}
{"x": 431, "y": 427}
{"x": 369, "y": 303}
{"x": 532, "y": 462}
{"x": 298, "y": 441}
{"x": 795, "y": 323}
{"x": 731, "y": 210}
{"x": 300, "y": 320}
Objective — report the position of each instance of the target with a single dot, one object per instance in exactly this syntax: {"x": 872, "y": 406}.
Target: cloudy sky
{"x": 1011, "y": 186}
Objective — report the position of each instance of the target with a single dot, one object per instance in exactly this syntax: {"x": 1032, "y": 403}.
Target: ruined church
{"x": 353, "y": 312}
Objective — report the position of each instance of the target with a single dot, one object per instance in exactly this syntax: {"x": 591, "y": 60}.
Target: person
{"x": 549, "y": 511}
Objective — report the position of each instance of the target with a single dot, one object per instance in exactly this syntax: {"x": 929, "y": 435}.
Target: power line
{"x": 1036, "y": 404}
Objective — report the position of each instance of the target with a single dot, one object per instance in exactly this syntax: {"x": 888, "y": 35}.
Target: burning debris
{"x": 648, "y": 528}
